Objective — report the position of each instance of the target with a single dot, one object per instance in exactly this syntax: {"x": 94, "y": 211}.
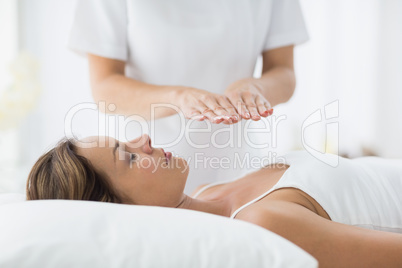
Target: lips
{"x": 168, "y": 155}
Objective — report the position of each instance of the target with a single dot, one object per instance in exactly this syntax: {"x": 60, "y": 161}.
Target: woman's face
{"x": 139, "y": 173}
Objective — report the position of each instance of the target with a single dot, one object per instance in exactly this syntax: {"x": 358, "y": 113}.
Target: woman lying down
{"x": 345, "y": 216}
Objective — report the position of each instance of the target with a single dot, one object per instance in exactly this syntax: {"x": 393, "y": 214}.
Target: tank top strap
{"x": 278, "y": 185}
{"x": 289, "y": 160}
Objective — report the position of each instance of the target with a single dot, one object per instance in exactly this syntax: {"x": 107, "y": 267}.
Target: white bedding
{"x": 65, "y": 233}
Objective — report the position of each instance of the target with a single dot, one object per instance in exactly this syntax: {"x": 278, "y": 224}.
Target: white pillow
{"x": 65, "y": 233}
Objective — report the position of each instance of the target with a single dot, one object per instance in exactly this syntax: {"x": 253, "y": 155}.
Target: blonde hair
{"x": 63, "y": 174}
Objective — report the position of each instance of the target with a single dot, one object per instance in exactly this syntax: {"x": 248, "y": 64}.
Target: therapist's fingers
{"x": 225, "y": 103}
{"x": 221, "y": 114}
{"x": 211, "y": 115}
{"x": 197, "y": 115}
{"x": 242, "y": 109}
{"x": 249, "y": 99}
{"x": 263, "y": 106}
{"x": 236, "y": 101}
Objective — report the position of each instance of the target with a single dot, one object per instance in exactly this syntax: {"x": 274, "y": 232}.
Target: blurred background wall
{"x": 353, "y": 60}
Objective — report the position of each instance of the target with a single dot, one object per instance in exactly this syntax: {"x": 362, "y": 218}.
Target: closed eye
{"x": 133, "y": 157}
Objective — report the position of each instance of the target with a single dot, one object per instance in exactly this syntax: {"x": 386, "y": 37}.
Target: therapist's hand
{"x": 246, "y": 96}
{"x": 202, "y": 105}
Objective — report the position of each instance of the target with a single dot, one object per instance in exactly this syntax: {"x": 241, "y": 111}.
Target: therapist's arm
{"x": 130, "y": 96}
{"x": 276, "y": 85}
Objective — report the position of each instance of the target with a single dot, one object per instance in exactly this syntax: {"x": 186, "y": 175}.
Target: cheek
{"x": 153, "y": 170}
{"x": 148, "y": 165}
{"x": 124, "y": 185}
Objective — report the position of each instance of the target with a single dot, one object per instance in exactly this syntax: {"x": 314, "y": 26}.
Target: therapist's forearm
{"x": 277, "y": 84}
{"x": 134, "y": 97}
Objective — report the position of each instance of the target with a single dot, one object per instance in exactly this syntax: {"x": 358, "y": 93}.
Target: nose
{"x": 147, "y": 143}
{"x": 143, "y": 142}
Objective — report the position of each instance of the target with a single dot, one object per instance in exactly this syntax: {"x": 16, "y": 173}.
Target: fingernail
{"x": 221, "y": 118}
{"x": 248, "y": 115}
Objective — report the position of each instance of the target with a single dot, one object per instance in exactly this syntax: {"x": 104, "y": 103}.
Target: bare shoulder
{"x": 272, "y": 212}
{"x": 253, "y": 215}
{"x": 333, "y": 244}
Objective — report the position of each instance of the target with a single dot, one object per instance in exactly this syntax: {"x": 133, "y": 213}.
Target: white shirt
{"x": 203, "y": 44}
{"x": 364, "y": 191}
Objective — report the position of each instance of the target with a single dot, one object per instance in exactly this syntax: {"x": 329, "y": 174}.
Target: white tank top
{"x": 365, "y": 191}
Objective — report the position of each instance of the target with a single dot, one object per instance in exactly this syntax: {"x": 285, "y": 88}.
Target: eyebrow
{"x": 114, "y": 151}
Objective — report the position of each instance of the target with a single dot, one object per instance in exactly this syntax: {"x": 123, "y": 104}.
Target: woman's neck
{"x": 222, "y": 207}
{"x": 224, "y": 200}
